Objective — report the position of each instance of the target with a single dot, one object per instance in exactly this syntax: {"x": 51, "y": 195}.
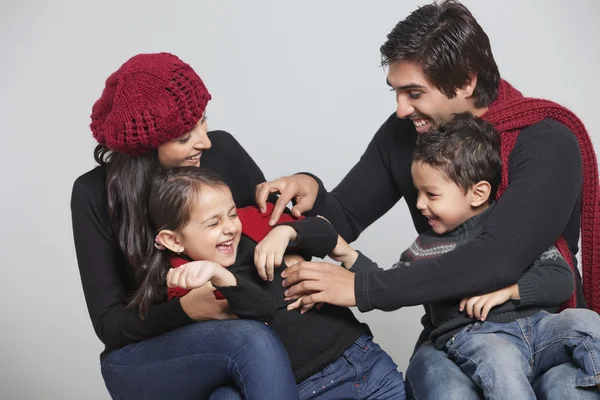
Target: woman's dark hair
{"x": 172, "y": 198}
{"x": 127, "y": 189}
{"x": 451, "y": 47}
{"x": 466, "y": 149}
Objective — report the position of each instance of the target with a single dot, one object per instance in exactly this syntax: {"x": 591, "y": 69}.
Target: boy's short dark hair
{"x": 451, "y": 47}
{"x": 466, "y": 149}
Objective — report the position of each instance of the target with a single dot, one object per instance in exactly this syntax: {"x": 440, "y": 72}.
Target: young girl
{"x": 200, "y": 230}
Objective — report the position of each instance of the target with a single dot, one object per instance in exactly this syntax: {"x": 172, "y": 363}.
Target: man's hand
{"x": 319, "y": 282}
{"x": 268, "y": 254}
{"x": 478, "y": 307}
{"x": 302, "y": 188}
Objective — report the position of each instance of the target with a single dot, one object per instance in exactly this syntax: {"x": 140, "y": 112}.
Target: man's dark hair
{"x": 446, "y": 40}
{"x": 466, "y": 149}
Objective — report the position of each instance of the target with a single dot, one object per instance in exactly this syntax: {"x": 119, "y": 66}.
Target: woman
{"x": 152, "y": 113}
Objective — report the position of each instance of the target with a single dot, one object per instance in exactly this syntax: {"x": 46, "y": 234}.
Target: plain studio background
{"x": 298, "y": 84}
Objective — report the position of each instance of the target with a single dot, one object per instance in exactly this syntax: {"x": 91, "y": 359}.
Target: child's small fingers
{"x": 295, "y": 305}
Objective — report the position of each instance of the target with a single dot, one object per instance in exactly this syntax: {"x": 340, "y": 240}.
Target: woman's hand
{"x": 201, "y": 305}
{"x": 268, "y": 254}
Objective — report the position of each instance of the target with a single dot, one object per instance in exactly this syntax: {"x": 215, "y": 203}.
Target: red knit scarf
{"x": 254, "y": 225}
{"x": 510, "y": 113}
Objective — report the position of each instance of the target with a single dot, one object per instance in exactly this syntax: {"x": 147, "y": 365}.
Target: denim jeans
{"x": 364, "y": 371}
{"x": 432, "y": 375}
{"x": 193, "y": 361}
{"x": 505, "y": 359}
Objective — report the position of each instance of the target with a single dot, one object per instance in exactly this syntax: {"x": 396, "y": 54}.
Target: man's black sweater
{"x": 542, "y": 202}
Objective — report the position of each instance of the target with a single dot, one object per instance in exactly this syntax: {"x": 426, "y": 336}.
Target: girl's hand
{"x": 291, "y": 259}
{"x": 479, "y": 306}
{"x": 269, "y": 252}
{"x": 196, "y": 274}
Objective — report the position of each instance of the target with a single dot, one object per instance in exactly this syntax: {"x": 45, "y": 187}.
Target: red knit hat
{"x": 150, "y": 100}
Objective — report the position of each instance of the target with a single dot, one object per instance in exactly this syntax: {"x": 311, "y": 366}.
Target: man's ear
{"x": 480, "y": 193}
{"x": 170, "y": 240}
{"x": 469, "y": 88}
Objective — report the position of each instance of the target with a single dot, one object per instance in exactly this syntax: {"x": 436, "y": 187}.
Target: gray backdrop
{"x": 298, "y": 84}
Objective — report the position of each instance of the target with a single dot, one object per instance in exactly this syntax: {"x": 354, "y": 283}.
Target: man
{"x": 439, "y": 63}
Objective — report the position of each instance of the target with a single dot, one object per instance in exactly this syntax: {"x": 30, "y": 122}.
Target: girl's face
{"x": 214, "y": 230}
{"x": 186, "y": 150}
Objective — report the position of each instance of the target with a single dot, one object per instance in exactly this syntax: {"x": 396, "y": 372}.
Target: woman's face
{"x": 186, "y": 150}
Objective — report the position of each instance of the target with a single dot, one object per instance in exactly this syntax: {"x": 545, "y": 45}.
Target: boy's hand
{"x": 479, "y": 306}
{"x": 269, "y": 252}
{"x": 198, "y": 273}
{"x": 344, "y": 253}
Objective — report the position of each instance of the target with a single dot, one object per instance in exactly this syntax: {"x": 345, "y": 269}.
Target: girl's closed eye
{"x": 184, "y": 140}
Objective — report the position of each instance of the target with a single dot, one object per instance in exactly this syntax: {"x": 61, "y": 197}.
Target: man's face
{"x": 420, "y": 101}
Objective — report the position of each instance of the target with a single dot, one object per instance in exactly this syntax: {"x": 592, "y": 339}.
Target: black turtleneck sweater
{"x": 313, "y": 340}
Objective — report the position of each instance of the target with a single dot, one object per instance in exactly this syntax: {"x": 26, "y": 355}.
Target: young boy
{"x": 456, "y": 171}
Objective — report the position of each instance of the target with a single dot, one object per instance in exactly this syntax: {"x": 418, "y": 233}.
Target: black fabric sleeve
{"x": 548, "y": 282}
{"x": 368, "y": 191}
{"x": 101, "y": 267}
{"x": 316, "y": 237}
{"x": 248, "y": 300}
{"x": 545, "y": 179}
{"x": 364, "y": 264}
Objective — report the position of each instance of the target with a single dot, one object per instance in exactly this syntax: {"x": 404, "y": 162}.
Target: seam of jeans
{"x": 592, "y": 355}
{"x": 557, "y": 340}
{"x": 530, "y": 348}
{"x": 242, "y": 384}
{"x": 105, "y": 363}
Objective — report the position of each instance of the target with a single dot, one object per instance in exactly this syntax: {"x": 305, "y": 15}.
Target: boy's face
{"x": 214, "y": 230}
{"x": 423, "y": 103}
{"x": 442, "y": 201}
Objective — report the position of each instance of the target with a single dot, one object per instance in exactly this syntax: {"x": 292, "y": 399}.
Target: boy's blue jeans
{"x": 505, "y": 359}
{"x": 364, "y": 371}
